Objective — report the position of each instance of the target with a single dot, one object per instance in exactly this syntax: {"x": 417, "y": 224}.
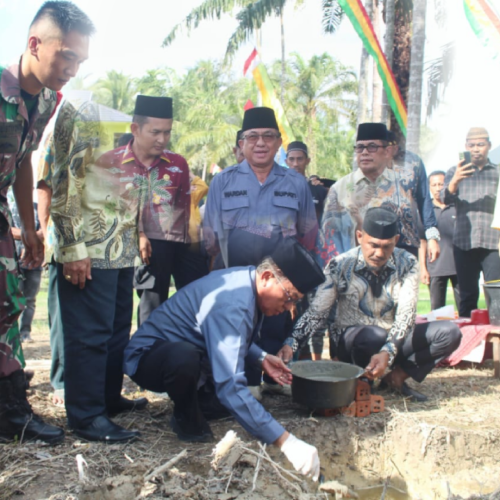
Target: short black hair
{"x": 436, "y": 172}
{"x": 140, "y": 120}
{"x": 66, "y": 16}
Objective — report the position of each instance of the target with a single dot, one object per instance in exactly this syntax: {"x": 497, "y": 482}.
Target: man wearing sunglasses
{"x": 251, "y": 207}
{"x": 196, "y": 344}
{"x": 374, "y": 184}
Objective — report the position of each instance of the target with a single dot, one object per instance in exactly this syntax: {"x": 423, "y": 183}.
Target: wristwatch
{"x": 262, "y": 356}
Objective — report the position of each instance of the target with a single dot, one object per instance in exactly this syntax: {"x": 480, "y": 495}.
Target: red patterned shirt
{"x": 164, "y": 193}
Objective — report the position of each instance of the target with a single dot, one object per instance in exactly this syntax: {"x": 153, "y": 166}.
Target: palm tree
{"x": 416, "y": 75}
{"x": 208, "y": 106}
{"x": 250, "y": 19}
{"x": 156, "y": 82}
{"x": 320, "y": 89}
{"x": 389, "y": 14}
{"x": 116, "y": 90}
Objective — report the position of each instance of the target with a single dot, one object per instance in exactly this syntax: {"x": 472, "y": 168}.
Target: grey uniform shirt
{"x": 245, "y": 220}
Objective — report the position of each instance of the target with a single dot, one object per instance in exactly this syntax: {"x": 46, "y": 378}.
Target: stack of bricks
{"x": 363, "y": 405}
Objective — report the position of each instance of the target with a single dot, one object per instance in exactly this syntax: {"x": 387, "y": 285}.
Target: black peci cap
{"x": 380, "y": 223}
{"x": 372, "y": 131}
{"x": 259, "y": 118}
{"x": 297, "y": 146}
{"x": 298, "y": 265}
{"x": 154, "y": 107}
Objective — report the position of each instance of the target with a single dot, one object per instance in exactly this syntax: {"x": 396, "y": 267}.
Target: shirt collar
{"x": 129, "y": 156}
{"x": 245, "y": 168}
{"x": 359, "y": 175}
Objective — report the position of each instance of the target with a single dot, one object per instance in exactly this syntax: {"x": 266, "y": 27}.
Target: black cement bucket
{"x": 492, "y": 296}
{"x": 324, "y": 384}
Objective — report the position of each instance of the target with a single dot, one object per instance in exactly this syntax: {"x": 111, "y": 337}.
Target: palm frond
{"x": 332, "y": 16}
{"x": 209, "y": 9}
{"x": 250, "y": 18}
{"x": 440, "y": 72}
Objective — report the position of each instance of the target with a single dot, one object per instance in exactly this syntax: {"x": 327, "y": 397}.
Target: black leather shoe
{"x": 103, "y": 429}
{"x": 179, "y": 427}
{"x": 125, "y": 404}
{"x": 414, "y": 395}
{"x": 26, "y": 426}
{"x": 17, "y": 420}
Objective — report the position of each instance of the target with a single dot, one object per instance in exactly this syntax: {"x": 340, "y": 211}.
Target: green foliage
{"x": 116, "y": 91}
{"x": 320, "y": 103}
{"x": 319, "y": 100}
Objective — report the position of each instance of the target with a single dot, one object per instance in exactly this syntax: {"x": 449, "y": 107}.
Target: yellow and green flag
{"x": 254, "y": 67}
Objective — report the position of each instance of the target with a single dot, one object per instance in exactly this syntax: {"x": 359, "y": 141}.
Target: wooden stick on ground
{"x": 268, "y": 459}
{"x": 257, "y": 469}
{"x": 168, "y": 465}
{"x": 276, "y": 467}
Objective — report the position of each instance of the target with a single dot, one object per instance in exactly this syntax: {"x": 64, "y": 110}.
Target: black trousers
{"x": 165, "y": 257}
{"x": 422, "y": 350}
{"x": 438, "y": 287}
{"x": 191, "y": 265}
{"x": 174, "y": 368}
{"x": 96, "y": 326}
{"x": 469, "y": 264}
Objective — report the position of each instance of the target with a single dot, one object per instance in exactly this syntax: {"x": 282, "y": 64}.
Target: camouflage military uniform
{"x": 20, "y": 135}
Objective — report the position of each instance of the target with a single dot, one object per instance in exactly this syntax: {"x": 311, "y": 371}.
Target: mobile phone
{"x": 465, "y": 155}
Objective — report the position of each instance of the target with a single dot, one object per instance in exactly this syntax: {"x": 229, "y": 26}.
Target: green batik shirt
{"x": 19, "y": 134}
{"x": 95, "y": 206}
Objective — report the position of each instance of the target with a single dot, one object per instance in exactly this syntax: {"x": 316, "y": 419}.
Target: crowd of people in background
{"x": 271, "y": 262}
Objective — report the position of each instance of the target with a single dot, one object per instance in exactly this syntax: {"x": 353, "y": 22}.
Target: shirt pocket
{"x": 10, "y": 137}
{"x": 235, "y": 212}
{"x": 285, "y": 212}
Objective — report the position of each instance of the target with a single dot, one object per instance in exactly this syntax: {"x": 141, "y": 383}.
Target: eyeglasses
{"x": 476, "y": 144}
{"x": 371, "y": 148}
{"x": 267, "y": 137}
{"x": 289, "y": 298}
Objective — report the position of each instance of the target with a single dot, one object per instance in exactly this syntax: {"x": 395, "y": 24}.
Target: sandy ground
{"x": 448, "y": 447}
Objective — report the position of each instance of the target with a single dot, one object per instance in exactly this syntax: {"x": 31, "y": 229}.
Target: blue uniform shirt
{"x": 219, "y": 315}
{"x": 245, "y": 220}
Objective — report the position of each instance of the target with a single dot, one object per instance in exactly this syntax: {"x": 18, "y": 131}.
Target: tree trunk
{"x": 401, "y": 66}
{"x": 363, "y": 111}
{"x": 377, "y": 81}
{"x": 283, "y": 61}
{"x": 389, "y": 14}
{"x": 416, "y": 76}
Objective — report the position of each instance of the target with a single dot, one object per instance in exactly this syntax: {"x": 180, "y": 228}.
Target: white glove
{"x": 303, "y": 456}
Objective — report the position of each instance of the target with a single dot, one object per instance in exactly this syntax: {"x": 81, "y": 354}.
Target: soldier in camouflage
{"x": 57, "y": 44}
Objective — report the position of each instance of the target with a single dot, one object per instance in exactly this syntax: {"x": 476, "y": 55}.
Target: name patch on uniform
{"x": 232, "y": 194}
{"x": 285, "y": 193}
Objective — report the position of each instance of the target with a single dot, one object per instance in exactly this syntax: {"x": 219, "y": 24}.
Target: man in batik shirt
{"x": 95, "y": 207}
{"x": 58, "y": 43}
{"x": 374, "y": 184}
{"x": 369, "y": 300}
